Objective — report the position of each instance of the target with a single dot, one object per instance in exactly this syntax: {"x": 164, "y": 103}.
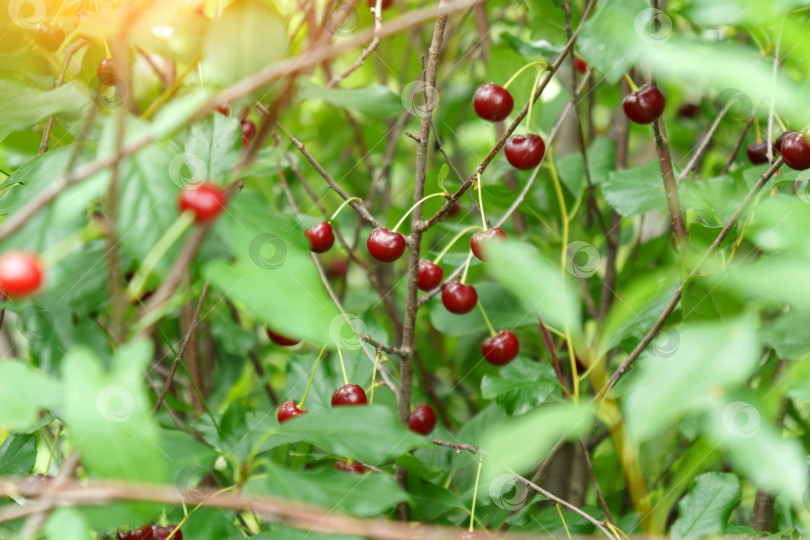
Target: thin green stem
{"x": 374, "y": 377}
{"x": 53, "y": 448}
{"x": 412, "y": 208}
{"x": 466, "y": 267}
{"x": 531, "y": 101}
{"x": 481, "y": 201}
{"x": 343, "y": 205}
{"x": 343, "y": 367}
{"x": 172, "y": 234}
{"x": 453, "y": 241}
{"x": 565, "y": 525}
{"x": 492, "y": 331}
{"x": 521, "y": 70}
{"x": 475, "y": 493}
{"x": 311, "y": 377}
{"x": 631, "y": 82}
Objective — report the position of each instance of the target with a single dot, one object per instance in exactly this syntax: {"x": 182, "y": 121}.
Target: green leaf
{"x": 608, "y": 40}
{"x": 23, "y": 392}
{"x": 696, "y": 361}
{"x": 288, "y": 533}
{"x": 18, "y": 454}
{"x": 539, "y": 47}
{"x": 735, "y": 12}
{"x": 522, "y": 269}
{"x": 500, "y": 305}
{"x": 601, "y": 161}
{"x": 515, "y": 443}
{"x": 67, "y": 524}
{"x": 24, "y": 106}
{"x": 374, "y": 101}
{"x": 635, "y": 191}
{"x": 705, "y": 509}
{"x": 108, "y": 416}
{"x": 440, "y": 178}
{"x": 788, "y": 334}
{"x": 779, "y": 224}
{"x": 212, "y": 150}
{"x": 701, "y": 302}
{"x": 522, "y": 385}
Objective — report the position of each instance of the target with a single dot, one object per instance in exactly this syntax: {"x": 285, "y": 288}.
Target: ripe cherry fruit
{"x": 248, "y": 131}
{"x": 481, "y": 238}
{"x": 355, "y": 468}
{"x": 796, "y": 151}
{"x": 162, "y": 533}
{"x": 50, "y": 37}
{"x": 206, "y": 201}
{"x": 385, "y": 245}
{"x": 580, "y": 64}
{"x": 280, "y": 339}
{"x": 106, "y": 72}
{"x": 757, "y": 152}
{"x": 20, "y": 273}
{"x": 525, "y": 152}
{"x": 459, "y": 298}
{"x": 492, "y": 102}
{"x": 644, "y": 105}
{"x": 430, "y": 275}
{"x": 289, "y": 409}
{"x": 501, "y": 348}
{"x": 349, "y": 394}
{"x": 422, "y": 419}
{"x": 321, "y": 237}
{"x": 777, "y": 144}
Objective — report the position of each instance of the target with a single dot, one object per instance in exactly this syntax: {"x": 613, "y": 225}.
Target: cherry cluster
{"x": 148, "y": 532}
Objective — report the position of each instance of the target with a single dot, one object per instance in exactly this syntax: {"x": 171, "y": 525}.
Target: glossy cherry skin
{"x": 141, "y": 533}
{"x": 345, "y": 466}
{"x": 430, "y": 275}
{"x": 349, "y": 394}
{"x": 206, "y": 201}
{"x": 106, "y": 72}
{"x": 525, "y": 152}
{"x": 385, "y": 245}
{"x": 796, "y": 151}
{"x": 644, "y": 105}
{"x": 481, "y": 238}
{"x": 500, "y": 349}
{"x": 777, "y": 144}
{"x": 20, "y": 273}
{"x": 459, "y": 298}
{"x": 321, "y": 237}
{"x": 757, "y": 152}
{"x": 580, "y": 64}
{"x": 492, "y": 102}
{"x": 422, "y": 419}
{"x": 385, "y": 3}
{"x": 162, "y": 533}
{"x": 50, "y": 37}
{"x": 289, "y": 409}
{"x": 280, "y": 339}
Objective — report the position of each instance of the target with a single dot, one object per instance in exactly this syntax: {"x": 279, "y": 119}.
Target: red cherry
{"x": 644, "y": 105}
{"x": 385, "y": 3}
{"x": 141, "y": 533}
{"x": 280, "y": 339}
{"x": 459, "y": 298}
{"x": 757, "y": 152}
{"x": 430, "y": 275}
{"x": 580, "y": 64}
{"x": 500, "y": 349}
{"x": 492, "y": 102}
{"x": 349, "y": 394}
{"x": 225, "y": 109}
{"x": 385, "y": 245}
{"x": 20, "y": 273}
{"x": 453, "y": 210}
{"x": 162, "y": 533}
{"x": 321, "y": 237}
{"x": 525, "y": 152}
{"x": 688, "y": 110}
{"x": 422, "y": 419}
{"x": 796, "y": 151}
{"x": 248, "y": 129}
{"x": 206, "y": 201}
{"x": 289, "y": 409}
{"x": 106, "y": 72}
{"x": 480, "y": 239}
{"x": 355, "y": 468}
{"x": 337, "y": 268}
{"x": 50, "y": 37}
{"x": 777, "y": 144}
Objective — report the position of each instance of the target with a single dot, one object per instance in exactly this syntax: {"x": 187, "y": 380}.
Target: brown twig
{"x": 70, "y": 50}
{"x": 458, "y": 447}
{"x": 704, "y": 143}
{"x": 375, "y": 42}
{"x": 738, "y": 145}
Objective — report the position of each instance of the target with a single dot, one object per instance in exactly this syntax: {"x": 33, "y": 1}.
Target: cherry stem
{"x": 343, "y": 205}
{"x": 531, "y": 101}
{"x": 58, "y": 12}
{"x": 152, "y": 258}
{"x": 466, "y": 267}
{"x": 412, "y": 208}
{"x": 311, "y": 377}
{"x": 475, "y": 493}
{"x": 758, "y": 136}
{"x": 53, "y": 447}
{"x": 781, "y": 124}
{"x": 521, "y": 70}
{"x": 481, "y": 201}
{"x": 342, "y": 366}
{"x": 453, "y": 241}
{"x": 631, "y": 82}
{"x": 492, "y": 331}
{"x": 374, "y": 377}
{"x": 565, "y": 526}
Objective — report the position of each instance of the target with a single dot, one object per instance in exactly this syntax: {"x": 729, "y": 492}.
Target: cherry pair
{"x": 793, "y": 145}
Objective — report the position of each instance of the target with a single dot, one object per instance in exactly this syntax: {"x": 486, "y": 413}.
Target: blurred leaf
{"x": 701, "y": 302}
{"x": 375, "y": 101}
{"x": 736, "y": 12}
{"x": 23, "y": 106}
{"x": 788, "y": 334}
{"x": 521, "y": 386}
{"x": 288, "y": 533}
{"x": 67, "y": 524}
{"x": 635, "y": 191}
{"x": 779, "y": 224}
{"x": 18, "y": 454}
{"x": 23, "y": 392}
{"x": 705, "y": 510}
{"x": 601, "y": 161}
{"x": 608, "y": 41}
{"x": 539, "y": 47}
{"x": 212, "y": 150}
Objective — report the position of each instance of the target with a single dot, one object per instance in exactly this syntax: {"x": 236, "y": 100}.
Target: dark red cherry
{"x": 50, "y": 37}
{"x": 385, "y": 245}
{"x": 321, "y": 237}
{"x": 796, "y": 151}
{"x": 430, "y": 275}
{"x": 20, "y": 273}
{"x": 492, "y": 102}
{"x": 337, "y": 268}
{"x": 644, "y": 105}
{"x": 453, "y": 210}
{"x": 385, "y": 3}
{"x": 481, "y": 238}
{"x": 459, "y": 298}
{"x": 422, "y": 419}
{"x": 688, "y": 110}
{"x": 349, "y": 394}
{"x": 289, "y": 409}
{"x": 206, "y": 201}
{"x": 280, "y": 339}
{"x": 500, "y": 349}
{"x": 580, "y": 64}
{"x": 777, "y": 144}
{"x": 757, "y": 152}
{"x": 349, "y": 467}
{"x": 525, "y": 151}
{"x": 248, "y": 129}
{"x": 106, "y": 72}
{"x": 162, "y": 533}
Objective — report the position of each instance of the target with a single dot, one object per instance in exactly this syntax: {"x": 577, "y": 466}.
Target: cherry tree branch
{"x": 375, "y": 42}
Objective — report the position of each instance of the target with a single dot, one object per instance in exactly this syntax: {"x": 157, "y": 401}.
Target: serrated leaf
{"x": 520, "y": 386}
{"x": 635, "y": 191}
{"x": 24, "y": 106}
{"x": 18, "y": 454}
{"x": 705, "y": 509}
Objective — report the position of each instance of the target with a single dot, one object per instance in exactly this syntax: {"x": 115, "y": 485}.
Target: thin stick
{"x": 375, "y": 42}
{"x": 312, "y": 375}
{"x": 475, "y": 494}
